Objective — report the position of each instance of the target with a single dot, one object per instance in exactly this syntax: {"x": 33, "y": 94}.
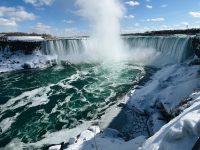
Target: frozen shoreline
{"x": 171, "y": 86}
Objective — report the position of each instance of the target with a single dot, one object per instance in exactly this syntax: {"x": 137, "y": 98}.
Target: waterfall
{"x": 64, "y": 47}
{"x": 177, "y": 47}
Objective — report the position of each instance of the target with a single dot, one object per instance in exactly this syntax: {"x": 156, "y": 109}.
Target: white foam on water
{"x": 35, "y": 97}
{"x": 6, "y": 123}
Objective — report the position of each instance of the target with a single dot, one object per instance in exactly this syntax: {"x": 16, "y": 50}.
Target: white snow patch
{"x": 25, "y": 38}
{"x": 55, "y": 147}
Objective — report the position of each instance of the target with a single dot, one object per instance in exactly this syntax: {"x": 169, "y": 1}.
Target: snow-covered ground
{"x": 10, "y": 61}
{"x": 25, "y": 38}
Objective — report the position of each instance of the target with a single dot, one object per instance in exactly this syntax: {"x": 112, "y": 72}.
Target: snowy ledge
{"x": 11, "y": 61}
{"x": 25, "y": 38}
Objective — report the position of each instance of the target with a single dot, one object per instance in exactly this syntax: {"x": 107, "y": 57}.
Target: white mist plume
{"x": 104, "y": 17}
{"x": 105, "y": 42}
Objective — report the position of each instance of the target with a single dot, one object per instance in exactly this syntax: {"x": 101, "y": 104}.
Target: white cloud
{"x": 68, "y": 32}
{"x": 195, "y": 14}
{"x": 163, "y": 6}
{"x": 156, "y": 19}
{"x": 129, "y": 16}
{"x": 135, "y": 29}
{"x": 60, "y": 32}
{"x": 10, "y": 16}
{"x": 7, "y": 22}
{"x": 164, "y": 27}
{"x": 132, "y": 3}
{"x": 181, "y": 25}
{"x": 137, "y": 24}
{"x": 68, "y": 21}
{"x": 148, "y": 0}
{"x": 185, "y": 23}
{"x": 16, "y": 13}
{"x": 41, "y": 28}
{"x": 149, "y": 6}
{"x": 71, "y": 32}
{"x": 39, "y": 3}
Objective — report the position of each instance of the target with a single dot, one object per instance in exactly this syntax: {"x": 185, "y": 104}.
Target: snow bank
{"x": 180, "y": 133}
{"x": 106, "y": 140}
{"x": 166, "y": 89}
{"x": 15, "y": 61}
{"x": 169, "y": 86}
{"x": 25, "y": 38}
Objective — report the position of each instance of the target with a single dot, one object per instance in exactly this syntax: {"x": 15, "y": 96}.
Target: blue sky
{"x": 60, "y": 17}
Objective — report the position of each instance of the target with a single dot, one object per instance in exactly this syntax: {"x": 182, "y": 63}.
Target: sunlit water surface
{"x": 36, "y": 102}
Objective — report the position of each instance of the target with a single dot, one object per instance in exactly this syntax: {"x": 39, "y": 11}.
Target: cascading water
{"x": 178, "y": 48}
{"x": 64, "y": 47}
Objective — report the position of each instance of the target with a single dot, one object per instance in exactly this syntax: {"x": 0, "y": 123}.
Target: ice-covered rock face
{"x": 196, "y": 46}
{"x": 27, "y": 47}
{"x": 10, "y": 61}
{"x": 180, "y": 133}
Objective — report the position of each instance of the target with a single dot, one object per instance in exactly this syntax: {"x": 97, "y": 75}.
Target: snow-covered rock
{"x": 15, "y": 61}
{"x": 25, "y": 38}
{"x": 107, "y": 140}
{"x": 180, "y": 133}
{"x": 55, "y": 147}
{"x": 169, "y": 86}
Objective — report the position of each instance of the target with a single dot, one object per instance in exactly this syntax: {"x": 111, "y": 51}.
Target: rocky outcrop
{"x": 26, "y": 47}
{"x": 196, "y": 46}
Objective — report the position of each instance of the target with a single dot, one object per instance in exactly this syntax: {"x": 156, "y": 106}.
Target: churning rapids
{"x": 37, "y": 102}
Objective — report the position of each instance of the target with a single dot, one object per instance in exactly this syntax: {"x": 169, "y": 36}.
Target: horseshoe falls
{"x": 176, "y": 48}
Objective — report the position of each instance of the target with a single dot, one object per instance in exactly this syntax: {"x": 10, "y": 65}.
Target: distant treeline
{"x": 193, "y": 31}
{"x": 44, "y": 35}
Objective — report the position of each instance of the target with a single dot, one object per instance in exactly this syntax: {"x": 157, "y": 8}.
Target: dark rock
{"x": 121, "y": 105}
{"x": 26, "y": 66}
{"x": 167, "y": 115}
{"x": 195, "y": 62}
{"x": 47, "y": 147}
{"x": 196, "y": 46}
{"x": 25, "y": 46}
{"x": 197, "y": 145}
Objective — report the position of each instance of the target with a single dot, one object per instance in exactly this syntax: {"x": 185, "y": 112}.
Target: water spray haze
{"x": 104, "y": 17}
